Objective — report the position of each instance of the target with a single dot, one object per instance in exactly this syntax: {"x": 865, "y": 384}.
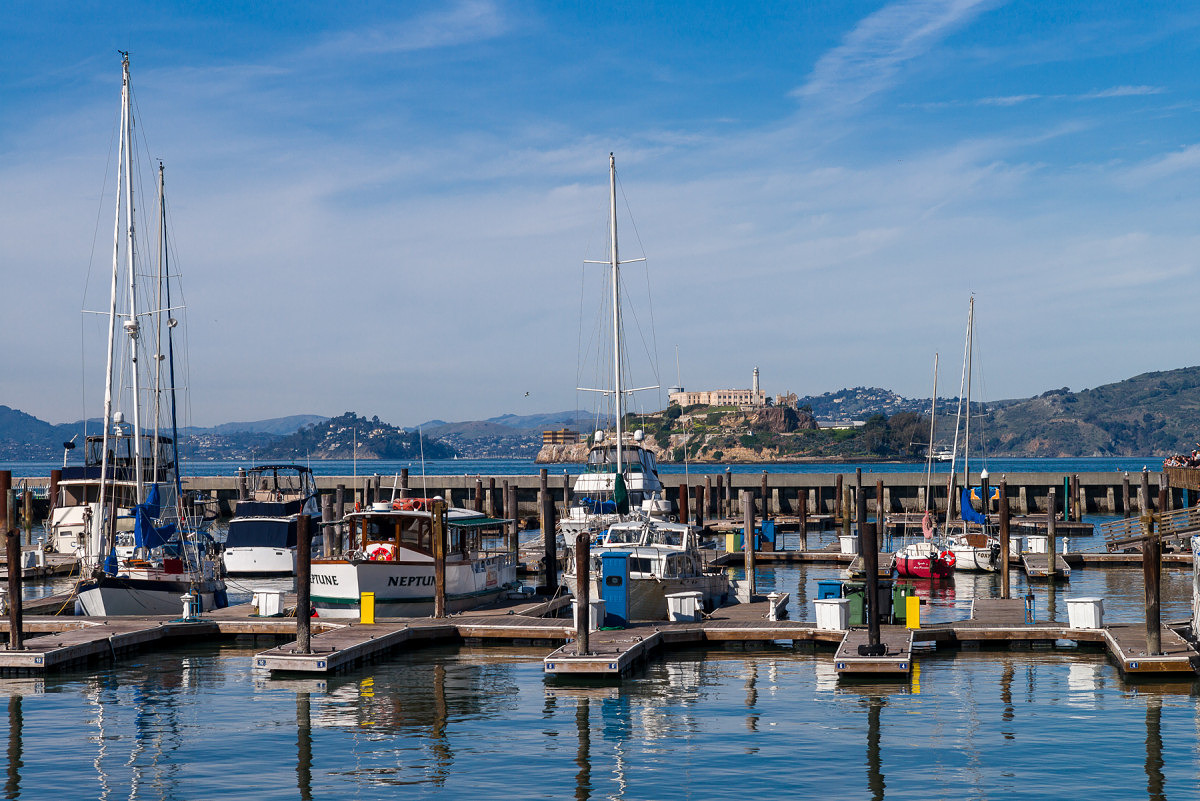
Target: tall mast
{"x": 967, "y": 433}
{"x": 616, "y": 301}
{"x": 131, "y": 324}
{"x": 932, "y": 419}
{"x": 158, "y": 313}
{"x": 165, "y": 282}
{"x": 107, "y": 421}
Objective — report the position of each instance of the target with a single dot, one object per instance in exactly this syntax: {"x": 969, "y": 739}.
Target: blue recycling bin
{"x": 614, "y": 588}
{"x": 829, "y": 588}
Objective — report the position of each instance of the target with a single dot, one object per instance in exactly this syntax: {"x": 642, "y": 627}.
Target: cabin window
{"x": 640, "y": 564}
{"x": 624, "y": 536}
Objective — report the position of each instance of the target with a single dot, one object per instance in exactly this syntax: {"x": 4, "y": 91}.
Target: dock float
{"x": 896, "y": 659}
{"x": 1036, "y": 567}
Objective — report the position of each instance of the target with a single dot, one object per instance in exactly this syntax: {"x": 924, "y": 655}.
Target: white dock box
{"x": 595, "y": 614}
{"x": 684, "y": 607}
{"x": 849, "y": 543}
{"x": 1085, "y": 613}
{"x": 269, "y": 603}
{"x": 833, "y": 614}
{"x": 1038, "y": 543}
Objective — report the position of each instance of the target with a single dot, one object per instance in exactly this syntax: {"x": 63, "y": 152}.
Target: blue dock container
{"x": 614, "y": 588}
{"x": 829, "y": 588}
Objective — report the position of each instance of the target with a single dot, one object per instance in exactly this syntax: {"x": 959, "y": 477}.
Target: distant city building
{"x": 723, "y": 397}
{"x": 564, "y": 436}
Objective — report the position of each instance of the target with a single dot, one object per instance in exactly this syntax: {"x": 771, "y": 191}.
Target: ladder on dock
{"x": 1130, "y": 532}
{"x": 1036, "y": 567}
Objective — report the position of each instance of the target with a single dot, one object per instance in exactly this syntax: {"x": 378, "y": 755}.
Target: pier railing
{"x": 1129, "y": 532}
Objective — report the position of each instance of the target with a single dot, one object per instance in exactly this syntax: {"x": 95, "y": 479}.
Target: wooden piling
{"x": 837, "y": 500}
{"x": 868, "y": 539}
{"x": 243, "y": 488}
{"x": 14, "y": 591}
{"x": 1004, "y": 540}
{"x": 684, "y": 512}
{"x": 700, "y": 505}
{"x": 27, "y": 515}
{"x": 1051, "y": 557}
{"x": 437, "y": 518}
{"x": 1152, "y": 572}
{"x": 879, "y": 511}
{"x": 549, "y": 544}
{"x": 566, "y": 488}
{"x": 339, "y": 513}
{"x": 1125, "y": 495}
{"x": 403, "y": 482}
{"x": 327, "y": 529}
{"x": 728, "y": 492}
{"x": 748, "y": 542}
{"x": 719, "y": 499}
{"x": 858, "y": 496}
{"x": 505, "y": 509}
{"x": 765, "y": 494}
{"x": 303, "y": 585}
{"x": 55, "y": 477}
{"x": 478, "y": 494}
{"x": 708, "y": 497}
{"x": 1145, "y": 507}
{"x": 514, "y": 527}
{"x": 490, "y": 499}
{"x": 860, "y": 507}
{"x": 802, "y": 509}
{"x": 583, "y": 586}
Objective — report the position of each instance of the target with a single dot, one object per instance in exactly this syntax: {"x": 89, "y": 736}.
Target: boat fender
{"x": 948, "y": 557}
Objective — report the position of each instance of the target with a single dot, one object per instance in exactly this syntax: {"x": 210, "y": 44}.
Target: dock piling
{"x": 303, "y": 588}
{"x": 869, "y": 539}
{"x": 1004, "y": 540}
{"x": 327, "y": 528}
{"x": 1051, "y": 550}
{"x": 1152, "y": 572}
{"x": 748, "y": 542}
{"x": 583, "y": 591}
{"x": 549, "y": 544}
{"x": 403, "y": 482}
{"x": 438, "y": 519}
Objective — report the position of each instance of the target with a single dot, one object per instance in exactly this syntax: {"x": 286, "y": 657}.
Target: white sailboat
{"x": 664, "y": 556}
{"x": 974, "y": 550}
{"x": 133, "y": 466}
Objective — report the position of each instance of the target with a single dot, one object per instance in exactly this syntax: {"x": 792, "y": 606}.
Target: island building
{"x": 564, "y": 436}
{"x": 752, "y": 398}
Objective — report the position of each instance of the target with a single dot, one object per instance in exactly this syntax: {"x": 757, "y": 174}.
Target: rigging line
{"x": 649, "y": 295}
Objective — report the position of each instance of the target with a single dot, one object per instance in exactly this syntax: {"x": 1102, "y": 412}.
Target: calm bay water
{"x": 458, "y": 722}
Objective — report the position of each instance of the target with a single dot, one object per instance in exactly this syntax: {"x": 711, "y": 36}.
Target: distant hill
{"x": 509, "y": 435}
{"x": 277, "y": 425}
{"x": 349, "y": 435}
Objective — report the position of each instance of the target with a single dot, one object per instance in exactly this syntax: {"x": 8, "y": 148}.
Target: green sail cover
{"x": 620, "y": 494}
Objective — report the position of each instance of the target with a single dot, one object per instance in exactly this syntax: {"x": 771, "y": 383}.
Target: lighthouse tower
{"x": 755, "y": 392}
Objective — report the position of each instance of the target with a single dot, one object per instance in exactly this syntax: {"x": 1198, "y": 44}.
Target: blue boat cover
{"x": 598, "y": 507}
{"x": 145, "y": 533}
{"x": 968, "y": 512}
{"x": 271, "y": 533}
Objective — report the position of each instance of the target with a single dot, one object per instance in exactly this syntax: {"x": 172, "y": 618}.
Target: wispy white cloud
{"x": 1008, "y": 100}
{"x": 1123, "y": 91}
{"x": 461, "y": 23}
{"x": 872, "y": 55}
{"x": 1160, "y": 167}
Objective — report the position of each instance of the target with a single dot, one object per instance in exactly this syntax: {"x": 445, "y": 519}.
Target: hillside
{"x": 349, "y": 435}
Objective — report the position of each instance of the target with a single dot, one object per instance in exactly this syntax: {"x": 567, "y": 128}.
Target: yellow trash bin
{"x": 731, "y": 541}
{"x": 366, "y": 608}
{"x": 912, "y": 612}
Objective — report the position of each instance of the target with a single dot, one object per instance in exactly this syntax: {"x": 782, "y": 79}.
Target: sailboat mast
{"x": 932, "y": 419}
{"x": 158, "y": 331}
{"x": 107, "y": 420}
{"x": 131, "y": 324}
{"x": 967, "y": 432}
{"x": 616, "y": 301}
{"x": 165, "y": 271}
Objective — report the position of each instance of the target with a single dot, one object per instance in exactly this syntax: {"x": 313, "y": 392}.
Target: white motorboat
{"x": 664, "y": 558}
{"x": 262, "y": 533}
{"x": 391, "y": 552}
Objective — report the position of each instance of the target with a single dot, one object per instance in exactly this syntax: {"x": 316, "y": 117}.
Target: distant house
{"x": 564, "y": 436}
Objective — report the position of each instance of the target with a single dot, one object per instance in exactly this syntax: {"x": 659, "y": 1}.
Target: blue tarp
{"x": 598, "y": 507}
{"x": 968, "y": 512}
{"x": 145, "y": 533}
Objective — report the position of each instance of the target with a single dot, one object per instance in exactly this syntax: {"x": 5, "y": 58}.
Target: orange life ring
{"x": 412, "y": 504}
{"x": 949, "y": 557}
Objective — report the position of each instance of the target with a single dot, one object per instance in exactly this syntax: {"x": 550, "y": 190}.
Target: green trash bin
{"x": 856, "y": 593}
{"x": 900, "y": 592}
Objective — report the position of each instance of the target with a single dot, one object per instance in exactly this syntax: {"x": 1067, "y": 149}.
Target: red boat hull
{"x": 923, "y": 566}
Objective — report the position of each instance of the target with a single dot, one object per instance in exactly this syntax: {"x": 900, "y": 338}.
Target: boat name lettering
{"x": 317, "y": 578}
{"x": 408, "y": 581}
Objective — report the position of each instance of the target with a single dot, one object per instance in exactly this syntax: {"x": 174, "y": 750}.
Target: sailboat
{"x": 664, "y": 556}
{"x": 974, "y": 550}
{"x": 134, "y": 464}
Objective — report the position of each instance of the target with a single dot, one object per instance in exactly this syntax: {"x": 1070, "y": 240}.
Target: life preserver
{"x": 948, "y": 557}
{"x": 412, "y": 504}
{"x": 380, "y": 553}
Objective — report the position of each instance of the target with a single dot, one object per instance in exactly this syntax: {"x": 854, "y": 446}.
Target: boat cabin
{"x": 407, "y": 535}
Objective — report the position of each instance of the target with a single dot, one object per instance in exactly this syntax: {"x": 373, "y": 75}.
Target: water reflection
{"x": 16, "y": 722}
{"x": 1155, "y": 780}
{"x": 303, "y": 746}
{"x": 583, "y": 756}
{"x": 875, "y": 782}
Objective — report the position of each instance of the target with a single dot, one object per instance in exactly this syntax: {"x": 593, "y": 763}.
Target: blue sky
{"x": 385, "y": 207}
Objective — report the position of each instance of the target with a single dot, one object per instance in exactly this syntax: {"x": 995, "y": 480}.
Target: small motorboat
{"x": 925, "y": 560}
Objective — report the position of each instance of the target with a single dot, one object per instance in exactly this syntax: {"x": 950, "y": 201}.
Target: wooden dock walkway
{"x": 895, "y": 657}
